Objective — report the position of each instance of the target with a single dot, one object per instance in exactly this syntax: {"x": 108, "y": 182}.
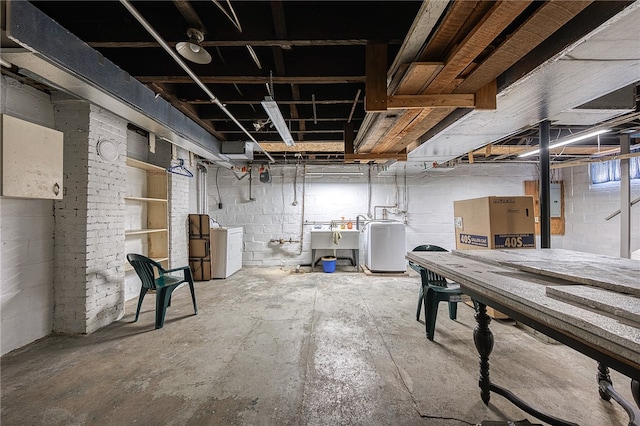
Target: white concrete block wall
{"x": 586, "y": 207}
{"x": 431, "y": 197}
{"x": 89, "y": 257}
{"x": 428, "y": 205}
{"x": 26, "y": 239}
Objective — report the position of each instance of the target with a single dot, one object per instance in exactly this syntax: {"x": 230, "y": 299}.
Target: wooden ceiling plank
{"x": 493, "y": 23}
{"x": 542, "y": 24}
{"x": 271, "y": 146}
{"x": 417, "y": 77}
{"x": 374, "y": 128}
{"x": 373, "y": 157}
{"x": 489, "y": 27}
{"x": 420, "y": 128}
{"x": 457, "y": 17}
{"x": 393, "y": 132}
{"x": 392, "y": 143}
{"x": 509, "y": 150}
{"x": 433, "y": 101}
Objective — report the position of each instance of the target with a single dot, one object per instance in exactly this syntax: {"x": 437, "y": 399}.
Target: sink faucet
{"x": 358, "y": 220}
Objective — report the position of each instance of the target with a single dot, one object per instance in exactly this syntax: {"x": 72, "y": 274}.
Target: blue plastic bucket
{"x": 329, "y": 264}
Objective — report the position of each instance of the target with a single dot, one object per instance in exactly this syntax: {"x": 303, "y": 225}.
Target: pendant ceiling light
{"x": 191, "y": 50}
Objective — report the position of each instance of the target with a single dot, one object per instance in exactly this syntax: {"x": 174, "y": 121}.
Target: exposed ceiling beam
{"x": 431, "y": 101}
{"x": 415, "y": 123}
{"x": 280, "y": 102}
{"x": 190, "y": 15}
{"x": 547, "y": 20}
{"x": 304, "y": 146}
{"x": 252, "y": 79}
{"x": 285, "y": 44}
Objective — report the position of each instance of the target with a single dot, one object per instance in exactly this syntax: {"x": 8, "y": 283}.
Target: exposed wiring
{"x": 239, "y": 177}
{"x": 218, "y": 187}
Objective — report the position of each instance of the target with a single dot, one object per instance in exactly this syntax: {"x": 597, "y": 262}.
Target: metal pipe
{"x": 384, "y": 208}
{"x": 201, "y": 173}
{"x": 625, "y": 199}
{"x": 545, "y": 186}
{"x": 358, "y": 221}
{"x": 188, "y": 70}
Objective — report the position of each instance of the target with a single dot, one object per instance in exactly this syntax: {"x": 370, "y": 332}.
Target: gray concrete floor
{"x": 274, "y": 347}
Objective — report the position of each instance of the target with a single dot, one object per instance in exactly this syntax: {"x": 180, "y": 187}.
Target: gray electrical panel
{"x": 555, "y": 193}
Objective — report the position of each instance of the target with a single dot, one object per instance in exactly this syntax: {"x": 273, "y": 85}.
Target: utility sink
{"x": 323, "y": 239}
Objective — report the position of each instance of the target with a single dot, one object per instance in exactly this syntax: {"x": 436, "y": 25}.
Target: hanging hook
{"x": 180, "y": 169}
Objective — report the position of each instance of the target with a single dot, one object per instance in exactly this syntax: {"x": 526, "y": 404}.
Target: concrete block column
{"x": 89, "y": 221}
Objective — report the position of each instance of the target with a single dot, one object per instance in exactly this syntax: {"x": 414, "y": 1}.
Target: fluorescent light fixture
{"x": 567, "y": 141}
{"x": 271, "y": 107}
{"x": 334, "y": 173}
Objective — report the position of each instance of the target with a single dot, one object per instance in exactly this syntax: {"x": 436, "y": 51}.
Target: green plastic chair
{"x": 154, "y": 277}
{"x": 433, "y": 290}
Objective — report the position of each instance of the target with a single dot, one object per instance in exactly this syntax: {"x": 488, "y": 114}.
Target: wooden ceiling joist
{"x": 492, "y": 24}
{"x": 431, "y": 101}
{"x": 548, "y": 19}
{"x": 239, "y": 79}
{"x": 303, "y": 147}
{"x": 417, "y": 77}
{"x": 385, "y": 156}
{"x": 510, "y": 150}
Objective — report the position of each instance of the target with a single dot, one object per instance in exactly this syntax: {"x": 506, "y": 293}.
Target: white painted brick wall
{"x": 89, "y": 235}
{"x": 587, "y": 206}
{"x": 179, "y": 205}
{"x": 26, "y": 239}
{"x": 429, "y": 216}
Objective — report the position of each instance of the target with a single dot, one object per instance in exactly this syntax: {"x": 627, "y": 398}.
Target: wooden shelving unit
{"x": 153, "y": 213}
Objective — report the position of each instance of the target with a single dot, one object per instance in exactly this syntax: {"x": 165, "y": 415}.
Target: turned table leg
{"x": 603, "y": 375}
{"x": 483, "y": 339}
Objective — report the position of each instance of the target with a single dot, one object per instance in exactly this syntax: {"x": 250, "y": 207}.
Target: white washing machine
{"x": 385, "y": 249}
{"x": 226, "y": 251}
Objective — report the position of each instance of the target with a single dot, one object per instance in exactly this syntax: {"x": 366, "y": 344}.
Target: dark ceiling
{"x": 313, "y": 56}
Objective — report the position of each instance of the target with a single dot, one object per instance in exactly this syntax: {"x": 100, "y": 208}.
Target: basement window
{"x": 609, "y": 171}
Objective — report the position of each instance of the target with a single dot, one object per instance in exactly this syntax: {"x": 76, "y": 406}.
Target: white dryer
{"x": 226, "y": 251}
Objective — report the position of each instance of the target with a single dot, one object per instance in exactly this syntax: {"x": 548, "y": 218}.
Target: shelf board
{"x": 143, "y": 231}
{"x": 142, "y": 165}
{"x": 145, "y": 199}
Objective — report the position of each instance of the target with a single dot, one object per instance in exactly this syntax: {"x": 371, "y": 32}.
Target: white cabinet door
{"x": 31, "y": 160}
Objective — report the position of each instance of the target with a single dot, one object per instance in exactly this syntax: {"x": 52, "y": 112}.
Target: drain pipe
{"x": 191, "y": 74}
{"x": 201, "y": 183}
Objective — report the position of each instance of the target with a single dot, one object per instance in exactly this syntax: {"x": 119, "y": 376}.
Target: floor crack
{"x": 399, "y": 373}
